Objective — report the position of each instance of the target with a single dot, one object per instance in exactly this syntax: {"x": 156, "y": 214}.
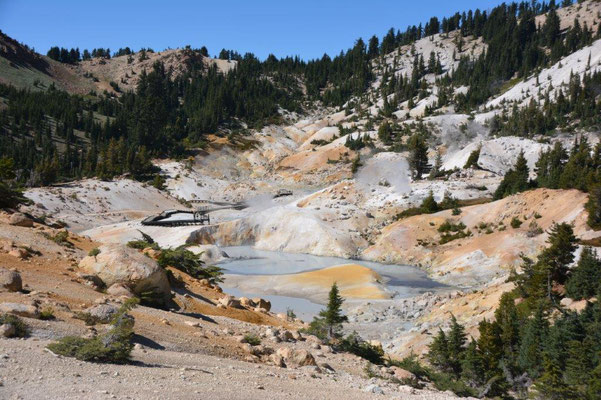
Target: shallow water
{"x": 401, "y": 280}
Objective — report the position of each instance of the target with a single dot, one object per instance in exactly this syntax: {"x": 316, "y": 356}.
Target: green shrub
{"x": 47, "y": 314}
{"x": 515, "y": 222}
{"x": 146, "y": 242}
{"x": 354, "y": 344}
{"x": 21, "y": 329}
{"x": 88, "y": 318}
{"x": 448, "y": 237}
{"x": 190, "y": 263}
{"x": 442, "y": 381}
{"x": 472, "y": 160}
{"x": 61, "y": 238}
{"x": 94, "y": 252}
{"x": 113, "y": 347}
{"x": 449, "y": 226}
{"x": 290, "y": 314}
{"x": 11, "y": 198}
{"x": 141, "y": 245}
{"x": 252, "y": 339}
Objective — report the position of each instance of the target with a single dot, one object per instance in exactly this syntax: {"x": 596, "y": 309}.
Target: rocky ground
{"x": 189, "y": 351}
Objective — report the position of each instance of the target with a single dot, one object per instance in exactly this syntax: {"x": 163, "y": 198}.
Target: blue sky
{"x": 306, "y": 28}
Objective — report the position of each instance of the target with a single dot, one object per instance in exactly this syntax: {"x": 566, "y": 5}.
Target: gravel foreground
{"x": 28, "y": 371}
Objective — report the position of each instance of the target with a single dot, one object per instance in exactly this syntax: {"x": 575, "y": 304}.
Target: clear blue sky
{"x": 307, "y": 28}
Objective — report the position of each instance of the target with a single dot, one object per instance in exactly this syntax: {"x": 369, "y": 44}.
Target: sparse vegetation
{"x": 252, "y": 339}
{"x": 61, "y": 238}
{"x": 21, "y": 329}
{"x": 184, "y": 260}
{"x": 47, "y": 314}
{"x": 515, "y": 222}
{"x": 112, "y": 347}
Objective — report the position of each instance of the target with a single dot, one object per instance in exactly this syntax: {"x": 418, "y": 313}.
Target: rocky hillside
{"x": 23, "y": 68}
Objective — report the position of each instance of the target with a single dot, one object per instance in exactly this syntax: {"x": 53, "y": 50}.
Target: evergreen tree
{"x": 516, "y": 180}
{"x": 585, "y": 278}
{"x": 551, "y": 385}
{"x": 456, "y": 340}
{"x": 329, "y": 322}
{"x": 429, "y": 204}
{"x": 438, "y": 353}
{"x": 533, "y": 337}
{"x": 418, "y": 158}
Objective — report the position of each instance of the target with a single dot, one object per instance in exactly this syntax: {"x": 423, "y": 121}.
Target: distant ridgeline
{"x": 54, "y": 135}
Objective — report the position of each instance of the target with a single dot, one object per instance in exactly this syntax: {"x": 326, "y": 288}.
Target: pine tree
{"x": 533, "y": 337}
{"x": 384, "y": 133}
{"x": 585, "y": 279}
{"x": 516, "y": 180}
{"x": 490, "y": 347}
{"x": 550, "y": 386}
{"x": 472, "y": 369}
{"x": 429, "y": 204}
{"x": 329, "y": 322}
{"x": 438, "y": 353}
{"x": 418, "y": 158}
{"x": 578, "y": 367}
{"x": 506, "y": 316}
{"x": 456, "y": 339}
{"x": 437, "y": 168}
{"x": 593, "y": 206}
{"x": 559, "y": 255}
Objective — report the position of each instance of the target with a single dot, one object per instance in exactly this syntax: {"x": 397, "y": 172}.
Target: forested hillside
{"x": 167, "y": 114}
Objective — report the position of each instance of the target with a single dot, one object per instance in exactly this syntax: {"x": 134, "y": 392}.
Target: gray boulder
{"x": 10, "y": 280}
{"x": 118, "y": 264}
{"x": 103, "y": 312}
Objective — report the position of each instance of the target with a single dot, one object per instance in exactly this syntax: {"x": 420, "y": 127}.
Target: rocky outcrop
{"x": 10, "y": 280}
{"x": 119, "y": 289}
{"x": 262, "y": 303}
{"x": 19, "y": 219}
{"x": 22, "y": 310}
{"x": 117, "y": 264}
{"x": 103, "y": 313}
{"x": 299, "y": 358}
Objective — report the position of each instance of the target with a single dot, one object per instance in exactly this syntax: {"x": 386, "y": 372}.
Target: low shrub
{"x": 354, "y": 344}
{"x": 515, "y": 222}
{"x": 47, "y": 314}
{"x": 21, "y": 329}
{"x": 190, "y": 263}
{"x": 61, "y": 238}
{"x": 94, "y": 252}
{"x": 88, "y": 318}
{"x": 449, "y": 226}
{"x": 252, "y": 339}
{"x": 448, "y": 237}
{"x": 146, "y": 242}
{"x": 113, "y": 347}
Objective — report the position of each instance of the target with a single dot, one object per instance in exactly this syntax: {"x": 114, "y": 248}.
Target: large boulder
{"x": 118, "y": 264}
{"x": 19, "y": 219}
{"x": 300, "y": 358}
{"x": 10, "y": 280}
{"x": 402, "y": 374}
